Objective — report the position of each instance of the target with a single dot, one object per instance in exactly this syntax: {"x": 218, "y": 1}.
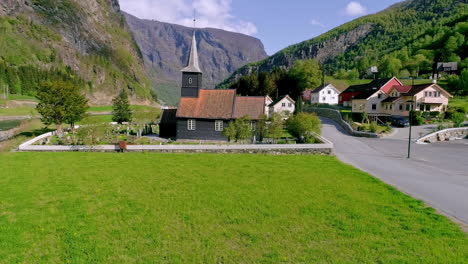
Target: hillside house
{"x": 364, "y": 91}
{"x": 325, "y": 94}
{"x": 284, "y": 105}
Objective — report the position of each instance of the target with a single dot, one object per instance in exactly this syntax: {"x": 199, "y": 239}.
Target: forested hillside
{"x": 82, "y": 41}
{"x": 404, "y": 40}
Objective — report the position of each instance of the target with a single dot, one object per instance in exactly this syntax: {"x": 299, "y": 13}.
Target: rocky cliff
{"x": 165, "y": 48}
{"x": 88, "y": 38}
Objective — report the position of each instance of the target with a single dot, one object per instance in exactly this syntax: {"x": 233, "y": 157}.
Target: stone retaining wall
{"x": 5, "y": 135}
{"x": 445, "y": 135}
{"x": 335, "y": 115}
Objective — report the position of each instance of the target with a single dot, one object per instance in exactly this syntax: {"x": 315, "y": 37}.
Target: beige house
{"x": 284, "y": 105}
{"x": 400, "y": 100}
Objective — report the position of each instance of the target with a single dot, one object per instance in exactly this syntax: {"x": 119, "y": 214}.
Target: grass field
{"x": 156, "y": 208}
{"x": 461, "y": 102}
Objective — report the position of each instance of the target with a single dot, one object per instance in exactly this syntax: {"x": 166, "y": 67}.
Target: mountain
{"x": 85, "y": 41}
{"x": 165, "y": 49}
{"x": 406, "y": 38}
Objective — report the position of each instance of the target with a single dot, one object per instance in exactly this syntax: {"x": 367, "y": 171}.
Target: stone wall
{"x": 445, "y": 135}
{"x": 5, "y": 135}
{"x": 335, "y": 115}
{"x": 325, "y": 148}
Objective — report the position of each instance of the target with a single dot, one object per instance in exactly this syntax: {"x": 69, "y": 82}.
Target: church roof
{"x": 221, "y": 104}
{"x": 252, "y": 106}
{"x": 193, "y": 65}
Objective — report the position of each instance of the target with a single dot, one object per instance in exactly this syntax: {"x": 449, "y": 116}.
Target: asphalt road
{"x": 436, "y": 173}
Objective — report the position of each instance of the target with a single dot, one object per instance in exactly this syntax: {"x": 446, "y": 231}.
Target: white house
{"x": 325, "y": 94}
{"x": 284, "y": 105}
{"x": 268, "y": 101}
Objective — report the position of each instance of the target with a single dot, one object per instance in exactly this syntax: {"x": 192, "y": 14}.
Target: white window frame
{"x": 283, "y": 104}
{"x": 191, "y": 125}
{"x": 219, "y": 125}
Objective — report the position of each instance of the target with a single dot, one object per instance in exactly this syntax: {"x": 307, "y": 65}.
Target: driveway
{"x": 436, "y": 174}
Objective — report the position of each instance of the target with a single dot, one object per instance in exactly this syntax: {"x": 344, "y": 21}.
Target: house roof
{"x": 369, "y": 86}
{"x": 210, "y": 104}
{"x": 402, "y": 88}
{"x": 366, "y": 94}
{"x": 253, "y": 106}
{"x": 451, "y": 66}
{"x": 279, "y": 99}
{"x": 320, "y": 88}
{"x": 390, "y": 99}
{"x": 415, "y": 89}
{"x": 193, "y": 65}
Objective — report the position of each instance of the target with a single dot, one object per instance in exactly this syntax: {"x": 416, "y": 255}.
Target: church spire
{"x": 193, "y": 65}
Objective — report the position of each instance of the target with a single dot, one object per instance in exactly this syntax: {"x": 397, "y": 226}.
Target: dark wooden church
{"x": 203, "y": 114}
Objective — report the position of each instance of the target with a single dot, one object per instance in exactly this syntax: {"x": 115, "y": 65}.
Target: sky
{"x": 278, "y": 23}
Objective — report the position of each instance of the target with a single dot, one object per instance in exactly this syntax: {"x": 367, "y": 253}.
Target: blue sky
{"x": 278, "y": 23}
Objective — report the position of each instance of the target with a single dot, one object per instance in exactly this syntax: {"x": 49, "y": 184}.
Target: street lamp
{"x": 410, "y": 123}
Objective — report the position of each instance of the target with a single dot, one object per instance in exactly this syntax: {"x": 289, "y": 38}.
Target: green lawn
{"x": 208, "y": 208}
{"x": 461, "y": 102}
{"x": 108, "y": 108}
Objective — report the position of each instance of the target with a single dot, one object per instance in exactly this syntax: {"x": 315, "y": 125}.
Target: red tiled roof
{"x": 254, "y": 107}
{"x": 210, "y": 104}
{"x": 220, "y": 104}
{"x": 402, "y": 88}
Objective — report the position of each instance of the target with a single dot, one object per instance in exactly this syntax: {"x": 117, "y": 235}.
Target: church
{"x": 203, "y": 114}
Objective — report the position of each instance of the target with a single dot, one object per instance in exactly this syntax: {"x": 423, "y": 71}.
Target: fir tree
{"x": 121, "y": 108}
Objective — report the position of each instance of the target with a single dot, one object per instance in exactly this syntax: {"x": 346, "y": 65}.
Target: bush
{"x": 240, "y": 129}
{"x": 458, "y": 119}
{"x": 373, "y": 127}
{"x": 416, "y": 118}
{"x": 303, "y": 126}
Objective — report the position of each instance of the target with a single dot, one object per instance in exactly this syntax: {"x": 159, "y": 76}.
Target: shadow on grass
{"x": 35, "y": 132}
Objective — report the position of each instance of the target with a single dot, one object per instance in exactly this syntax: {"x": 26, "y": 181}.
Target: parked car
{"x": 399, "y": 121}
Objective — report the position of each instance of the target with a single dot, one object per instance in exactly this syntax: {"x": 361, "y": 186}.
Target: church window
{"x": 191, "y": 124}
{"x": 219, "y": 125}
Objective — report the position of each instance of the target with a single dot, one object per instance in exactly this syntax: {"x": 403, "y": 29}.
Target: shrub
{"x": 416, "y": 118}
{"x": 373, "y": 127}
{"x": 240, "y": 129}
{"x": 303, "y": 126}
{"x": 458, "y": 119}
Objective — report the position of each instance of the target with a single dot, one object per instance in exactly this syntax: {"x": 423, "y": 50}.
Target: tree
{"x": 240, "y": 129}
{"x": 308, "y": 73}
{"x": 391, "y": 66}
{"x": 458, "y": 119}
{"x": 275, "y": 127}
{"x": 262, "y": 128}
{"x": 303, "y": 126}
{"x": 61, "y": 102}
{"x": 299, "y": 105}
{"x": 121, "y": 108}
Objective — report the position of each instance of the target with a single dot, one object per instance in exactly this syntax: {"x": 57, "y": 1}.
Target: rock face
{"x": 165, "y": 49}
{"x": 322, "y": 51}
{"x": 88, "y": 36}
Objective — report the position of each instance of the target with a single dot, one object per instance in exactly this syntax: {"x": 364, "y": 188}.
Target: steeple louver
{"x": 192, "y": 65}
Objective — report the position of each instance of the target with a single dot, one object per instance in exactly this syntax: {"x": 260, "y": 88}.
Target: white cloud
{"x": 316, "y": 22}
{"x": 355, "y": 9}
{"x": 210, "y": 13}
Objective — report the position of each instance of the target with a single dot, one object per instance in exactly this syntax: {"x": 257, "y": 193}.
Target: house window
{"x": 408, "y": 107}
{"x": 430, "y": 94}
{"x": 219, "y": 125}
{"x": 425, "y": 94}
{"x": 421, "y": 107}
{"x": 374, "y": 107}
{"x": 428, "y": 108}
{"x": 290, "y": 105}
{"x": 379, "y": 96}
{"x": 324, "y": 98}
{"x": 329, "y": 92}
{"x": 391, "y": 107}
{"x": 401, "y": 107}
{"x": 283, "y": 104}
{"x": 191, "y": 124}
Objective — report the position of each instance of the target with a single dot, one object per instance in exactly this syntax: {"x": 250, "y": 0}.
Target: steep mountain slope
{"x": 165, "y": 48}
{"x": 366, "y": 40}
{"x": 86, "y": 40}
